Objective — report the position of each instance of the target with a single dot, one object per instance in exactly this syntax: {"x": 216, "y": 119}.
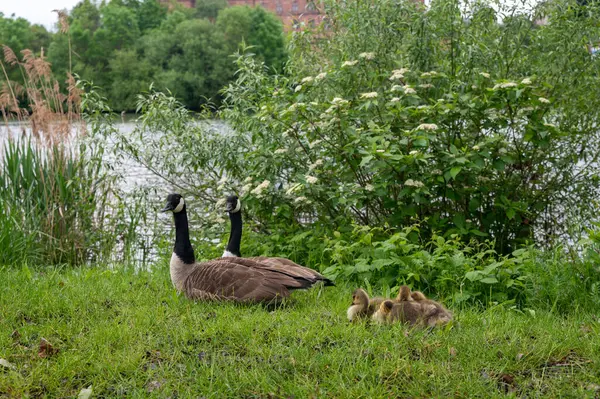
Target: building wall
{"x": 293, "y": 13}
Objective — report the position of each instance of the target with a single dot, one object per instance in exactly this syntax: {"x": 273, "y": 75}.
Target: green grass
{"x": 129, "y": 335}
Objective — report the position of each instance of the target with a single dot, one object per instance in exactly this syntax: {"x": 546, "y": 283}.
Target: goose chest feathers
{"x": 232, "y": 278}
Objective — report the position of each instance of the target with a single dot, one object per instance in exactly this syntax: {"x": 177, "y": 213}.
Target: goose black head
{"x": 233, "y": 204}
{"x": 175, "y": 203}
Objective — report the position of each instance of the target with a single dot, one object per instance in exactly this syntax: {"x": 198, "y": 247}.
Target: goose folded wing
{"x": 231, "y": 280}
{"x": 291, "y": 268}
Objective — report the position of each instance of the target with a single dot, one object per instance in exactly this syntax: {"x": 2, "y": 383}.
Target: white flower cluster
{"x": 414, "y": 183}
{"x": 339, "y": 101}
{"x": 396, "y": 88}
{"x": 281, "y": 151}
{"x": 220, "y": 203}
{"x": 430, "y": 74}
{"x": 316, "y": 164}
{"x": 261, "y": 187}
{"x": 409, "y": 90}
{"x": 485, "y": 75}
{"x": 311, "y": 179}
{"x": 544, "y": 100}
{"x": 372, "y": 94}
{"x": 427, "y": 126}
{"x": 321, "y": 76}
{"x": 370, "y": 187}
{"x": 505, "y": 85}
{"x": 526, "y": 81}
{"x": 349, "y": 63}
{"x": 367, "y": 56}
{"x": 426, "y": 86}
{"x": 397, "y": 75}
{"x": 395, "y": 100}
{"x": 298, "y": 88}
{"x": 307, "y": 79}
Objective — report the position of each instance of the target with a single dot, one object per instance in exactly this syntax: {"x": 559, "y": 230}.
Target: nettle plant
{"x": 383, "y": 147}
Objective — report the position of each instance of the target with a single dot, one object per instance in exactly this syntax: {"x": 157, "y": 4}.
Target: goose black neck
{"x": 235, "y": 237}
{"x": 183, "y": 247}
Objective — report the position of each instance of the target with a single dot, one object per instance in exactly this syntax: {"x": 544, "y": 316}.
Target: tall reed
{"x": 54, "y": 189}
{"x": 51, "y": 201}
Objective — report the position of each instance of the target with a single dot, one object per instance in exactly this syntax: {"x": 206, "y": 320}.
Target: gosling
{"x": 362, "y": 306}
{"x": 437, "y": 314}
{"x": 407, "y": 312}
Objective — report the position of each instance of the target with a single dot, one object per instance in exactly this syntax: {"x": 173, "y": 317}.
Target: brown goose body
{"x": 235, "y": 279}
{"x": 231, "y": 278}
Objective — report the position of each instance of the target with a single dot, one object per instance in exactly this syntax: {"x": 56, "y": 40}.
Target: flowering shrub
{"x": 362, "y": 144}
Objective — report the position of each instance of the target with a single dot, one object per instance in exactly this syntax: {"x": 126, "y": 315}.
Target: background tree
{"x": 210, "y": 9}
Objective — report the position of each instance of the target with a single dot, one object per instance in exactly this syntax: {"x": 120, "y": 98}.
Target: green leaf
{"x": 475, "y": 275}
{"x": 420, "y": 142}
{"x": 455, "y": 171}
{"x": 380, "y": 263}
{"x": 498, "y": 164}
{"x": 489, "y": 280}
{"x": 366, "y": 160}
{"x": 510, "y": 212}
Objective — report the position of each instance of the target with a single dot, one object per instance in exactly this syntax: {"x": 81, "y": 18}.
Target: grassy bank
{"x": 129, "y": 335}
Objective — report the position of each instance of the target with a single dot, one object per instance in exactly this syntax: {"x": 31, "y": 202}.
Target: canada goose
{"x": 233, "y": 206}
{"x": 437, "y": 313}
{"x": 237, "y": 279}
{"x": 362, "y": 306}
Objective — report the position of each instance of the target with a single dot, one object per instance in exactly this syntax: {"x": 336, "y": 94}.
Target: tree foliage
{"x": 124, "y": 45}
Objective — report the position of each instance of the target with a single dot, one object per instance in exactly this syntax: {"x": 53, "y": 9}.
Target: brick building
{"x": 291, "y": 12}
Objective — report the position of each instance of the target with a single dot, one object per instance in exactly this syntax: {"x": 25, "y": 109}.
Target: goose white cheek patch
{"x": 237, "y": 207}
{"x": 179, "y": 206}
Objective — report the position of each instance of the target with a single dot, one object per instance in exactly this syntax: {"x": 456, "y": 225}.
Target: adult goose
{"x": 233, "y": 206}
{"x": 235, "y": 279}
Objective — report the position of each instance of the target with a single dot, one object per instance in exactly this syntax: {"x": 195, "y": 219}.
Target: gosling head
{"x": 360, "y": 297}
{"x": 175, "y": 203}
{"x": 418, "y": 296}
{"x": 404, "y": 294}
{"x": 233, "y": 204}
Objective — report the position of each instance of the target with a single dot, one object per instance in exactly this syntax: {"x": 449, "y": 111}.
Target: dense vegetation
{"x": 125, "y": 45}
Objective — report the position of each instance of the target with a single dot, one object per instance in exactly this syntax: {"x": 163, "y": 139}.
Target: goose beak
{"x": 168, "y": 207}
{"x": 228, "y": 207}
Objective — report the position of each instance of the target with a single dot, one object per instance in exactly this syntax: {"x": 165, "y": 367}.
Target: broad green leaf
{"x": 489, "y": 280}
{"x": 473, "y": 275}
{"x": 455, "y": 171}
